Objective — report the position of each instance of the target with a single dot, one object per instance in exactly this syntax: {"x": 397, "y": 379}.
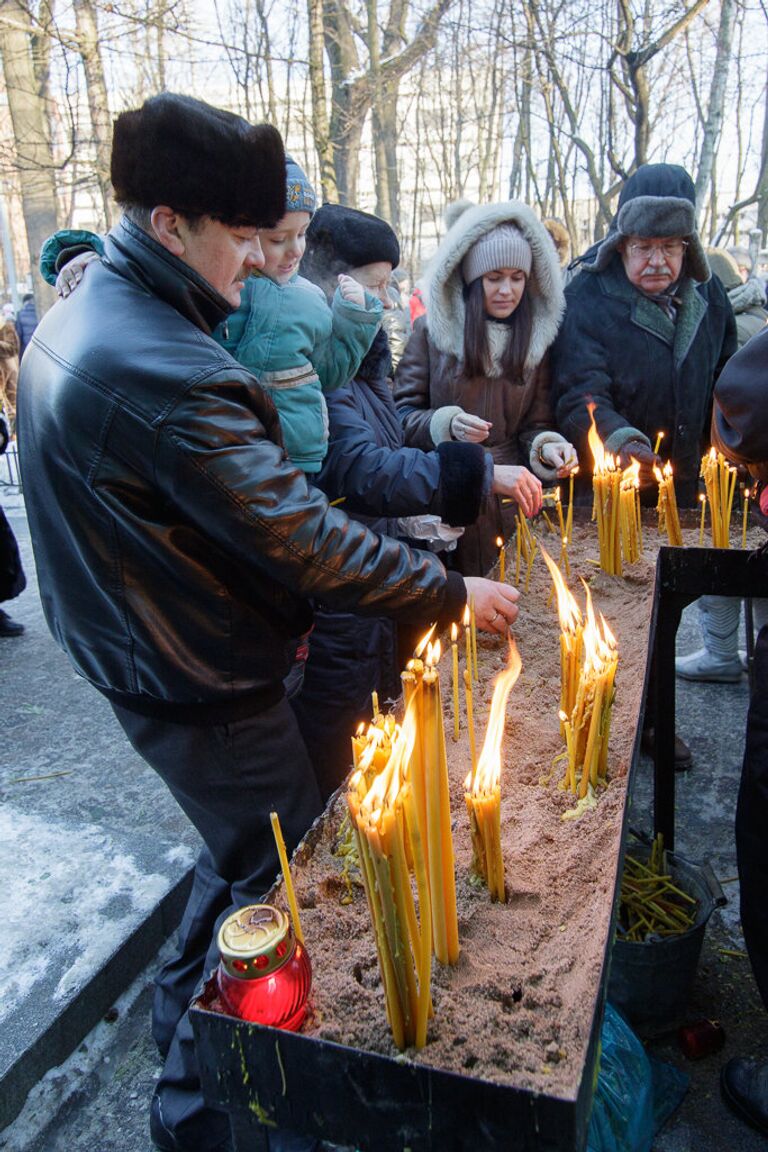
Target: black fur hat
{"x": 199, "y": 160}
{"x": 340, "y": 238}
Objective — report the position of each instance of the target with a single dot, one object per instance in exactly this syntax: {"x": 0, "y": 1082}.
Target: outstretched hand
{"x": 495, "y": 604}
{"x": 560, "y": 455}
{"x": 646, "y": 457}
{"x": 469, "y": 429}
{"x": 515, "y": 481}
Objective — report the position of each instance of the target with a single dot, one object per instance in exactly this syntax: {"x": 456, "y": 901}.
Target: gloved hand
{"x": 560, "y": 455}
{"x": 72, "y": 272}
{"x": 637, "y": 450}
{"x": 470, "y": 429}
{"x": 352, "y": 290}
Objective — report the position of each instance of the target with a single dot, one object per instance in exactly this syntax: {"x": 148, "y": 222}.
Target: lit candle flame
{"x": 630, "y": 477}
{"x": 488, "y": 771}
{"x": 599, "y": 642}
{"x": 568, "y": 610}
{"x": 424, "y": 641}
{"x": 604, "y": 461}
{"x": 434, "y": 652}
{"x": 382, "y": 793}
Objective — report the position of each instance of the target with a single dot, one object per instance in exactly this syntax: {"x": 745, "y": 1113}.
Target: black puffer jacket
{"x": 379, "y": 480}
{"x": 176, "y": 545}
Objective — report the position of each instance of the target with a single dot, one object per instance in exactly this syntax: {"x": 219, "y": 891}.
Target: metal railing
{"x": 10, "y": 476}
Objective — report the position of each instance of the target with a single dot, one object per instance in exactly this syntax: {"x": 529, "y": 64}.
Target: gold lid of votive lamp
{"x": 255, "y": 941}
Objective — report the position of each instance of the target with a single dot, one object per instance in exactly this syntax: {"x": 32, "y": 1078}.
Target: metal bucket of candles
{"x": 650, "y": 980}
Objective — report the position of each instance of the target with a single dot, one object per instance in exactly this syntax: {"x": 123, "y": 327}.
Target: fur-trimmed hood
{"x": 445, "y": 286}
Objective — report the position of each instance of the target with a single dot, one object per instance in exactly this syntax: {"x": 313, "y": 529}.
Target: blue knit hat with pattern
{"x": 300, "y": 195}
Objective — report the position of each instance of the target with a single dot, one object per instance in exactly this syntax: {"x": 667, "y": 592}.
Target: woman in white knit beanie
{"x": 475, "y": 368}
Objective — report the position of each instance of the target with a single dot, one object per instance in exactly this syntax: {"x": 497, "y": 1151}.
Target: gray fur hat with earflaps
{"x": 657, "y": 200}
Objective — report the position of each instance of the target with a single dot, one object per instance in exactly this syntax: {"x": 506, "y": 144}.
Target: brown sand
{"x": 518, "y": 1006}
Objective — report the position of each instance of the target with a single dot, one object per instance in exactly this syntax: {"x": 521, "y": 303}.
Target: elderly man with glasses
{"x": 647, "y": 330}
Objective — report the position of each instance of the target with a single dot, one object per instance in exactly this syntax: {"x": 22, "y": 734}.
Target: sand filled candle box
{"x": 511, "y": 1045}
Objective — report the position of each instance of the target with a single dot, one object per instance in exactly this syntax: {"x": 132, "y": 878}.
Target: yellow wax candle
{"x": 519, "y": 552}
{"x": 703, "y": 499}
{"x": 375, "y": 703}
{"x": 657, "y": 445}
{"x": 468, "y": 638}
{"x": 564, "y": 556}
{"x": 502, "y": 559}
{"x": 745, "y": 518}
{"x": 470, "y": 722}
{"x": 473, "y": 629}
{"x": 455, "y": 655}
{"x": 560, "y": 520}
{"x": 287, "y": 879}
{"x": 569, "y": 518}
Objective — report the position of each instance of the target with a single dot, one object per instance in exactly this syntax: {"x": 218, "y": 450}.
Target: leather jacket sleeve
{"x": 228, "y": 475}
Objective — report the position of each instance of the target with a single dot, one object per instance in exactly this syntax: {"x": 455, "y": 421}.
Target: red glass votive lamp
{"x": 264, "y": 974}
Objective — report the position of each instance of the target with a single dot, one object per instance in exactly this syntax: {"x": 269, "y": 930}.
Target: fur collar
{"x": 445, "y": 308}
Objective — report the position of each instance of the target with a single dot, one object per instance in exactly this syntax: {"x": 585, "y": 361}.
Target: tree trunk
{"x": 320, "y": 126}
{"x": 714, "y": 121}
{"x": 32, "y": 141}
{"x": 762, "y": 183}
{"x": 98, "y": 104}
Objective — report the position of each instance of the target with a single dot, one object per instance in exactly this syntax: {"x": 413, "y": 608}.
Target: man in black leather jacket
{"x": 177, "y": 547}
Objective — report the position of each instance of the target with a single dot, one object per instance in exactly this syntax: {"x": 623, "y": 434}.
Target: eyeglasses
{"x": 641, "y": 250}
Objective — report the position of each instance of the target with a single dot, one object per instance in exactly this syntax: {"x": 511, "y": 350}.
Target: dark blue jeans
{"x": 227, "y": 779}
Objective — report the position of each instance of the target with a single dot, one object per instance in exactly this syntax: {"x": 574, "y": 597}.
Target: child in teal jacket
{"x": 283, "y": 331}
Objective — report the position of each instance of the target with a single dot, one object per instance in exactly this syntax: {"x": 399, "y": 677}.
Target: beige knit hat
{"x": 502, "y": 247}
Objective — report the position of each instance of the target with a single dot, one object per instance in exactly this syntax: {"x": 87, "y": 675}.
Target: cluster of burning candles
{"x": 399, "y": 802}
{"x": 398, "y": 793}
{"x": 616, "y": 503}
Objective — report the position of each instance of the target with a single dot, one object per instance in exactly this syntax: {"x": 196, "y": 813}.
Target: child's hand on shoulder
{"x": 351, "y": 290}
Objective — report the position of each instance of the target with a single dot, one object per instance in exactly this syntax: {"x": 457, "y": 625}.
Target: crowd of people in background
{"x": 296, "y": 462}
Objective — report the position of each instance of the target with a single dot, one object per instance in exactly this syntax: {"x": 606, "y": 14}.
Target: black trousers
{"x": 227, "y": 779}
{"x": 752, "y": 822}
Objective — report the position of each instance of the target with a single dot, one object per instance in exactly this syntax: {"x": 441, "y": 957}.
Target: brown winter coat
{"x": 430, "y": 385}
{"x": 517, "y": 412}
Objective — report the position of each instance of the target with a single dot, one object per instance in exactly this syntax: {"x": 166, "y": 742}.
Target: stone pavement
{"x": 94, "y": 853}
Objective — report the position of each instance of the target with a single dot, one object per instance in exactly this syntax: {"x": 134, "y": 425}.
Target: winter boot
{"x": 719, "y": 660}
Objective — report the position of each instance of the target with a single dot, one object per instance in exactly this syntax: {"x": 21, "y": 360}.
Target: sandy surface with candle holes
{"x": 517, "y": 1008}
